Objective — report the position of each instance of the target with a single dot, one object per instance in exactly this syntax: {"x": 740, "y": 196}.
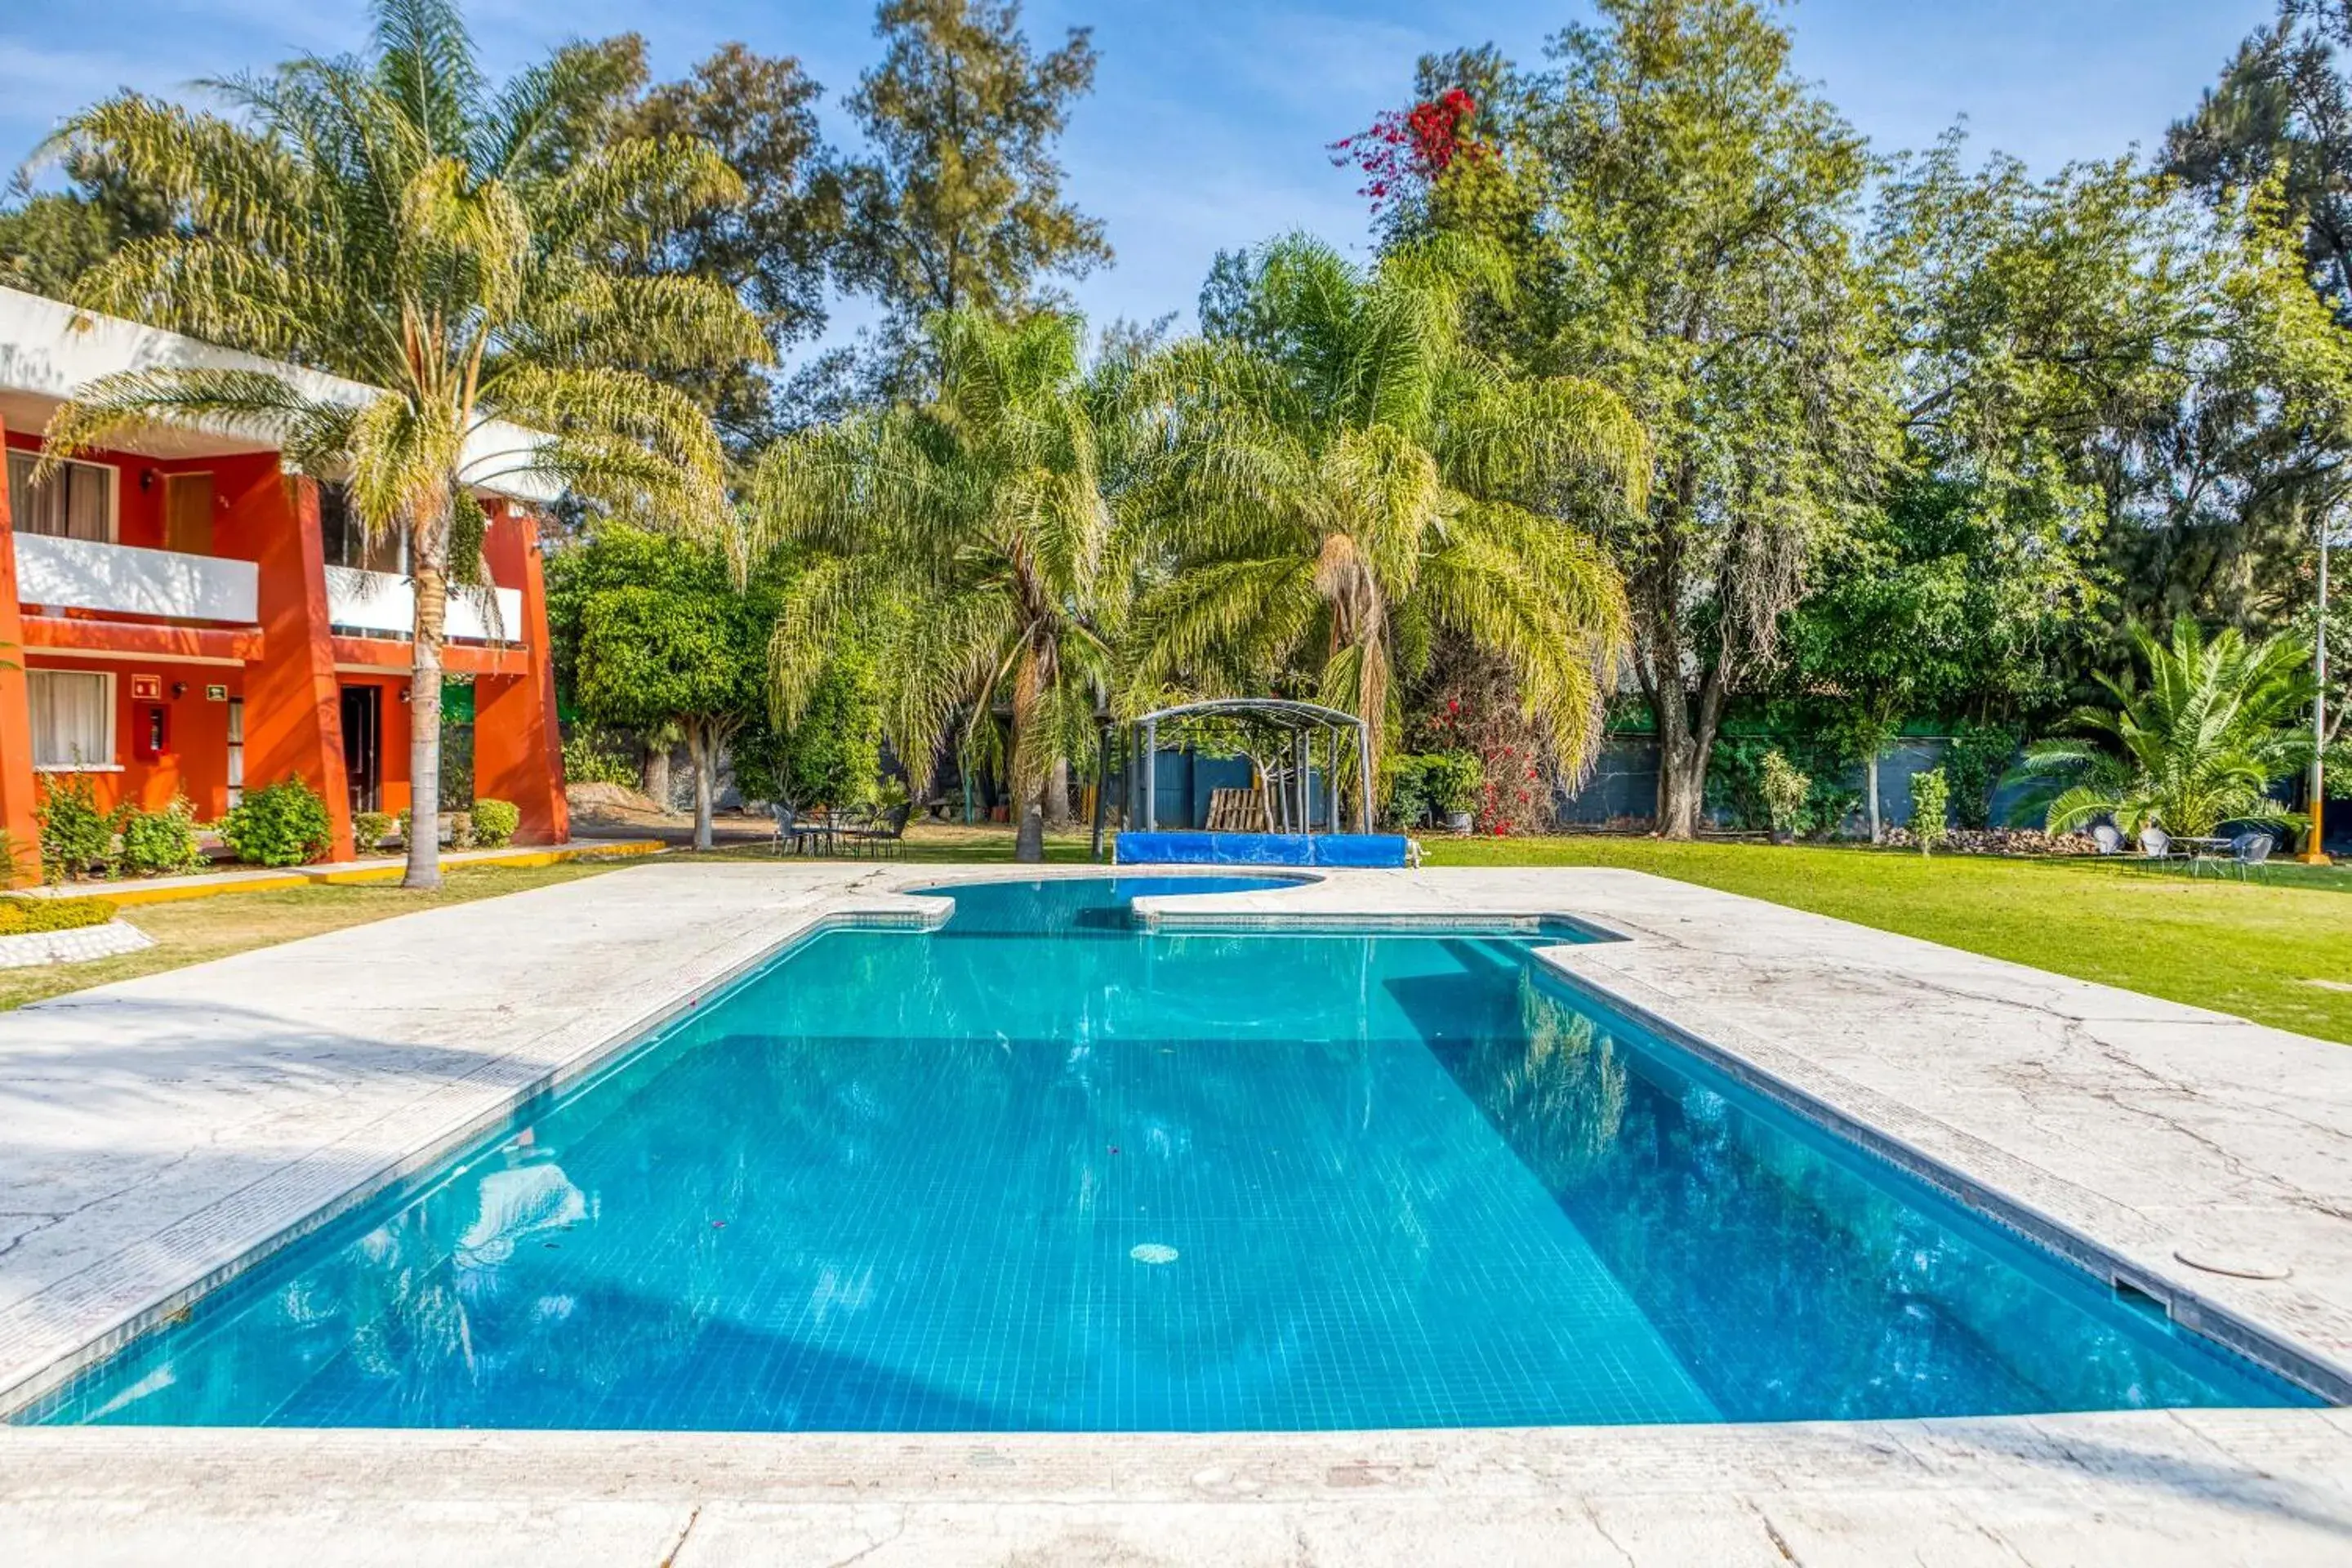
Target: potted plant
{"x": 1452, "y": 780}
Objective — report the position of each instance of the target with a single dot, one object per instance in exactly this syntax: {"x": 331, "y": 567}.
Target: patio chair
{"x": 884, "y": 835}
{"x": 797, "y": 830}
{"x": 2110, "y": 841}
{"x": 2249, "y": 851}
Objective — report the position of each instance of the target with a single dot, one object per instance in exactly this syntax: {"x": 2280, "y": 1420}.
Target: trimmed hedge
{"x": 495, "y": 822}
{"x": 283, "y": 825}
{"x": 20, "y": 916}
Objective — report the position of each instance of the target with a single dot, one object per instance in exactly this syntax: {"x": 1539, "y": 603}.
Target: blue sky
{"x": 1209, "y": 120}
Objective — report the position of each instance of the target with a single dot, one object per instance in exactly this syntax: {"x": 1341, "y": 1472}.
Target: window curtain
{"x": 71, "y": 506}
{"x": 85, "y": 507}
{"x": 73, "y": 718}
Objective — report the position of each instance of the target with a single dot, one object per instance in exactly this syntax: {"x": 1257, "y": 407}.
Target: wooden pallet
{"x": 1238, "y": 811}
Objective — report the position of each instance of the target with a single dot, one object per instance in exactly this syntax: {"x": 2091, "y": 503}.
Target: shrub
{"x": 368, "y": 828}
{"x": 159, "y": 843}
{"x": 1978, "y": 756}
{"x": 19, "y": 917}
{"x": 1441, "y": 782}
{"x": 1785, "y": 791}
{"x": 1931, "y": 797}
{"x": 592, "y": 756}
{"x": 76, "y": 836}
{"x": 1408, "y": 789}
{"x": 495, "y": 821}
{"x": 284, "y": 824}
{"x": 1452, "y": 780}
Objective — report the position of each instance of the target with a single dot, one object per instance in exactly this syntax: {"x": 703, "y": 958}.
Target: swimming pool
{"x": 1042, "y": 1170}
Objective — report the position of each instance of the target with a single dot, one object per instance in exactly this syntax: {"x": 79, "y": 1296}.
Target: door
{"x": 363, "y": 744}
{"x": 188, "y": 513}
{"x": 235, "y": 752}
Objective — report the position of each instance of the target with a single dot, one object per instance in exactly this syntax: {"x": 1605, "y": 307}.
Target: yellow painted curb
{"x": 165, "y": 893}
{"x": 513, "y": 860}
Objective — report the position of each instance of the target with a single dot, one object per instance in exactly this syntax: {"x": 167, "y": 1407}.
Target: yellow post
{"x": 2314, "y": 851}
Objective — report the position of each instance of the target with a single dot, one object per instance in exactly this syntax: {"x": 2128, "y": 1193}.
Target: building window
{"x": 79, "y": 503}
{"x": 73, "y": 718}
{"x": 347, "y": 543}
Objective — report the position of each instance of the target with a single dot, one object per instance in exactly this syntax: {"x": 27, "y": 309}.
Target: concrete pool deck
{"x": 156, "y": 1133}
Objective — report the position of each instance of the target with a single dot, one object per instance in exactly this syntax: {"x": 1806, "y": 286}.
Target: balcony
{"x": 120, "y": 579}
{"x": 377, "y": 604}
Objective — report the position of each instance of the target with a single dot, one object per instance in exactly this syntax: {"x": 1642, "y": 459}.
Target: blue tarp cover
{"x": 1356, "y": 850}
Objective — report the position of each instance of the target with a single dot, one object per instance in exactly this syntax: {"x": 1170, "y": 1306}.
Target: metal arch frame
{"x": 1281, "y": 713}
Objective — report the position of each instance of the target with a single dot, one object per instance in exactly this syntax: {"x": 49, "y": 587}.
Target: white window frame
{"x": 113, "y": 494}
{"x": 113, "y": 736}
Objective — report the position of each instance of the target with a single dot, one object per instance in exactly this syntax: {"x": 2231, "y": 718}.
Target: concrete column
{"x": 293, "y": 706}
{"x": 19, "y": 785}
{"x": 518, "y": 745}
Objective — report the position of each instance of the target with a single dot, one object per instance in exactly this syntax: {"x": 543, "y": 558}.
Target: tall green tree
{"x": 960, "y": 204}
{"x": 1347, "y": 478}
{"x": 774, "y": 248}
{"x": 1682, "y": 209}
{"x": 680, "y": 644}
{"x": 49, "y": 238}
{"x": 392, "y": 217}
{"x": 2284, "y": 102}
{"x": 974, "y": 527}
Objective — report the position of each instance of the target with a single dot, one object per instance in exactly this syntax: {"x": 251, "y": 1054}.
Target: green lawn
{"x": 2253, "y": 949}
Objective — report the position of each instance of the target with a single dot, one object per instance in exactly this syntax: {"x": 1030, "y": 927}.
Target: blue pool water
{"x": 1040, "y": 1170}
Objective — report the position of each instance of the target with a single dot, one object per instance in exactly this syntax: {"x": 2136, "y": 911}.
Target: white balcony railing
{"x": 87, "y": 575}
{"x": 380, "y": 603}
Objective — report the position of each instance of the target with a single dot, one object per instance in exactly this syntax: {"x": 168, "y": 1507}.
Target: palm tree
{"x": 390, "y": 218}
{"x": 1349, "y": 477}
{"x": 2199, "y": 746}
{"x": 972, "y": 533}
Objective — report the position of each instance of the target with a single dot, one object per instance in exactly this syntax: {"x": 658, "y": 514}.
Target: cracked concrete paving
{"x": 156, "y": 1133}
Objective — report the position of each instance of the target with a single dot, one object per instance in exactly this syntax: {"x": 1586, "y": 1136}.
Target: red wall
{"x": 196, "y": 763}
{"x": 139, "y": 513}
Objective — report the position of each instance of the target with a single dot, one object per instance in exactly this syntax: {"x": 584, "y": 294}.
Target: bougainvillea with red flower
{"x": 1467, "y": 703}
{"x": 1408, "y": 150}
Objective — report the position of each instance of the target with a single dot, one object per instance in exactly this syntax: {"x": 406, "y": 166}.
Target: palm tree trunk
{"x": 1027, "y": 765}
{"x": 1057, "y": 793}
{"x": 424, "y": 712}
{"x": 1029, "y": 845}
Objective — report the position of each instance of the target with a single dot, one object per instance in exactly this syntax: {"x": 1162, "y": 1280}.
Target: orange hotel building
{"x": 183, "y": 617}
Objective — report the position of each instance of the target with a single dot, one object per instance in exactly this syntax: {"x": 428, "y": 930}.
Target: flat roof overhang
{"x": 49, "y": 350}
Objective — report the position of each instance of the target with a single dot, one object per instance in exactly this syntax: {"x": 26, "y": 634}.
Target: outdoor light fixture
{"x": 179, "y": 688}
{"x": 146, "y": 478}
{"x": 403, "y": 693}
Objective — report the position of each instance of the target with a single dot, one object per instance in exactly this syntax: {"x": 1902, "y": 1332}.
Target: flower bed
{"x": 20, "y": 916}
{"x": 2002, "y": 841}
